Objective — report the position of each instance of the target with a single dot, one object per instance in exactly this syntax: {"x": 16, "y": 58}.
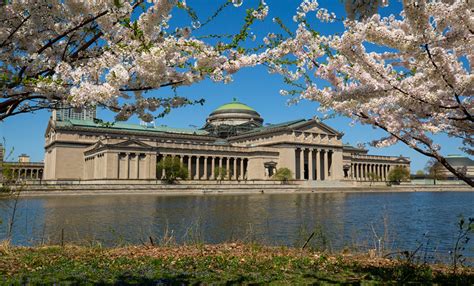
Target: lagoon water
{"x": 341, "y": 220}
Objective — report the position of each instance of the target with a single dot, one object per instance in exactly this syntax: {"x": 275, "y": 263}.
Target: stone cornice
{"x": 290, "y": 144}
{"x": 287, "y": 129}
{"x": 147, "y": 134}
{"x": 68, "y": 143}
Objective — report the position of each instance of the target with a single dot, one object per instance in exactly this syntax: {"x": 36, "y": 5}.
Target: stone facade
{"x": 238, "y": 142}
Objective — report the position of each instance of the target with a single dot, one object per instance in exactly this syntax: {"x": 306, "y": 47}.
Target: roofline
{"x": 264, "y": 131}
{"x": 132, "y": 131}
{"x": 291, "y": 127}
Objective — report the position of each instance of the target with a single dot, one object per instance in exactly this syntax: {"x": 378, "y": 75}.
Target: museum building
{"x": 233, "y": 137}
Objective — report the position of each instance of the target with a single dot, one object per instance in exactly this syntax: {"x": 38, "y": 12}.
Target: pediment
{"x": 315, "y": 126}
{"x": 128, "y": 144}
{"x": 131, "y": 143}
{"x": 96, "y": 146}
{"x": 402, "y": 160}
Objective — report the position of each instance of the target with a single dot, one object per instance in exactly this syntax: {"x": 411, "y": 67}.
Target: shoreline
{"x": 185, "y": 190}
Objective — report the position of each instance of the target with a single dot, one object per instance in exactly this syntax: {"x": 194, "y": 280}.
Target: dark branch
{"x": 14, "y": 31}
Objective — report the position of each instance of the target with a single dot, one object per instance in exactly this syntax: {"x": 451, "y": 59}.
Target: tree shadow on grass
{"x": 408, "y": 273}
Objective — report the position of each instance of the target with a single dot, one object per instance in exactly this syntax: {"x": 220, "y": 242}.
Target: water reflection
{"x": 347, "y": 219}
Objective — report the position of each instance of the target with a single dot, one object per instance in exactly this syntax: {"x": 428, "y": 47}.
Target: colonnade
{"x": 369, "y": 171}
{"x": 130, "y": 166}
{"x": 314, "y": 164}
{"x": 203, "y": 167}
{"x": 27, "y": 173}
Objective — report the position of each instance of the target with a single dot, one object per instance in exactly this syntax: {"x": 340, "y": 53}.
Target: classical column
{"x": 301, "y": 164}
{"x": 213, "y": 162}
{"x": 198, "y": 168}
{"x": 190, "y": 175}
{"x": 310, "y": 165}
{"x": 326, "y": 171}
{"x": 227, "y": 167}
{"x": 204, "y": 175}
{"x": 318, "y": 164}
{"x": 234, "y": 175}
{"x": 137, "y": 160}
{"x": 220, "y": 166}
{"x": 241, "y": 177}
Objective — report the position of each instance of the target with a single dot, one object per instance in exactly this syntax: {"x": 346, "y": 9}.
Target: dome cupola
{"x": 232, "y": 118}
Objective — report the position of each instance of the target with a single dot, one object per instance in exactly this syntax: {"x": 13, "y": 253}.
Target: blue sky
{"x": 255, "y": 87}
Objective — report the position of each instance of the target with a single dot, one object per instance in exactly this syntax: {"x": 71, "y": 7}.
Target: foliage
{"x": 435, "y": 170}
{"x": 398, "y": 174}
{"x": 373, "y": 177}
{"x": 208, "y": 264}
{"x": 88, "y": 53}
{"x": 173, "y": 169}
{"x": 8, "y": 176}
{"x": 464, "y": 230}
{"x": 283, "y": 174}
{"x": 416, "y": 82}
{"x": 220, "y": 173}
{"x": 420, "y": 173}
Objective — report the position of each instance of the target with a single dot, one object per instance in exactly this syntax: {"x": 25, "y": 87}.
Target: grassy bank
{"x": 225, "y": 263}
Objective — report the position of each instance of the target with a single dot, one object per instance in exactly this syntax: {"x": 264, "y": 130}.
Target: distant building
{"x": 462, "y": 164}
{"x": 64, "y": 113}
{"x": 23, "y": 158}
{"x": 233, "y": 138}
{"x": 23, "y": 169}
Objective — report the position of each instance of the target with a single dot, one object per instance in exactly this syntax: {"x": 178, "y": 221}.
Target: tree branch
{"x": 59, "y": 37}
{"x": 433, "y": 154}
{"x": 456, "y": 96}
{"x": 14, "y": 31}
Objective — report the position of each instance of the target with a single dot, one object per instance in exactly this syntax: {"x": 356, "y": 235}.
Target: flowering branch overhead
{"x": 416, "y": 83}
{"x": 95, "y": 53}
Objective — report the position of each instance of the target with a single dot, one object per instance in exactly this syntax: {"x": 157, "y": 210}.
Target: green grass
{"x": 208, "y": 264}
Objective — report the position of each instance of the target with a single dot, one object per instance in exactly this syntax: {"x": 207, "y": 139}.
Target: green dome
{"x": 235, "y": 105}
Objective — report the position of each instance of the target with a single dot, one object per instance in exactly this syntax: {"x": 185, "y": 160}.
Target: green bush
{"x": 173, "y": 168}
{"x": 398, "y": 174}
{"x": 283, "y": 175}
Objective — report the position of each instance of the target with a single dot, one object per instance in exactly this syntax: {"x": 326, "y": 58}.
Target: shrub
{"x": 398, "y": 174}
{"x": 173, "y": 168}
{"x": 283, "y": 175}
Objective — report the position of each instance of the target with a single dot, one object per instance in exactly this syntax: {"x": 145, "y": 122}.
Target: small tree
{"x": 435, "y": 170}
{"x": 173, "y": 168}
{"x": 420, "y": 173}
{"x": 398, "y": 174}
{"x": 283, "y": 175}
{"x": 220, "y": 173}
{"x": 8, "y": 176}
{"x": 372, "y": 177}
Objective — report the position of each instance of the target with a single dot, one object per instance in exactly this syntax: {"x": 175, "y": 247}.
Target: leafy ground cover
{"x": 231, "y": 263}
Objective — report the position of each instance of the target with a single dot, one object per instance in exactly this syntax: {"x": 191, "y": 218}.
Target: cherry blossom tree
{"x": 409, "y": 75}
{"x": 108, "y": 53}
